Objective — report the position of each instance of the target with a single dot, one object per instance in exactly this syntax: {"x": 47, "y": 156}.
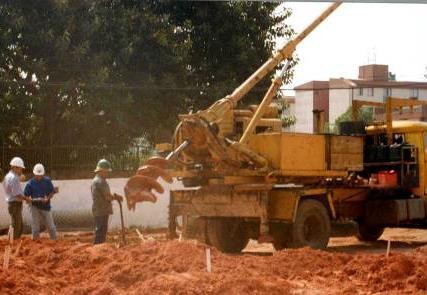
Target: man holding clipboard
{"x": 40, "y": 189}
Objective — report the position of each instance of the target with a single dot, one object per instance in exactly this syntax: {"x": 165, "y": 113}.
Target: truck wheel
{"x": 281, "y": 235}
{"x": 368, "y": 233}
{"x": 227, "y": 234}
{"x": 312, "y": 226}
{"x": 195, "y": 229}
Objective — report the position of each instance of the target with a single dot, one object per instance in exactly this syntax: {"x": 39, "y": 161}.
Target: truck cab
{"x": 407, "y": 153}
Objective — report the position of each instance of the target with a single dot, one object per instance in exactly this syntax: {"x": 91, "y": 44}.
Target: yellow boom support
{"x": 282, "y": 54}
{"x": 219, "y": 109}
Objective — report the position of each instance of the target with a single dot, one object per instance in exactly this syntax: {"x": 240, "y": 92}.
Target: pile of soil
{"x": 173, "y": 267}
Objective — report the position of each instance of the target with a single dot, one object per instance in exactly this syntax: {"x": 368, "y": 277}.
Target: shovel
{"x": 122, "y": 222}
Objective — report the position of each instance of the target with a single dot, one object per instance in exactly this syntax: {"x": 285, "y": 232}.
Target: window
{"x": 387, "y": 92}
{"x": 368, "y": 91}
{"x": 398, "y": 138}
{"x": 414, "y": 92}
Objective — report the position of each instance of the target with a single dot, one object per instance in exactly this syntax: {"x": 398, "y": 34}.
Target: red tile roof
{"x": 313, "y": 85}
{"x": 356, "y": 83}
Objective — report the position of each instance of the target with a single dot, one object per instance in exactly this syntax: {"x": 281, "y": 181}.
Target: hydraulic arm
{"x": 200, "y": 144}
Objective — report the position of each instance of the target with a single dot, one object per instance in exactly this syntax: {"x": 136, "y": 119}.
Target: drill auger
{"x": 139, "y": 188}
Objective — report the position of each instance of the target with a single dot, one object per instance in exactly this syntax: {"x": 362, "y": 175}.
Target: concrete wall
{"x": 402, "y": 93}
{"x": 339, "y": 102}
{"x": 380, "y": 93}
{"x": 304, "y": 111}
{"x": 72, "y": 206}
{"x": 423, "y": 94}
{"x": 321, "y": 102}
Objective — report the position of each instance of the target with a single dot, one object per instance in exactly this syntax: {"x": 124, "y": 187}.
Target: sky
{"x": 357, "y": 34}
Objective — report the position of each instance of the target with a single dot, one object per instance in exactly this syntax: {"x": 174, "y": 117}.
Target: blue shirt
{"x": 38, "y": 190}
{"x": 12, "y": 187}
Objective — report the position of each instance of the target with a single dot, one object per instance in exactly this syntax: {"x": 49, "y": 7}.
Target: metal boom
{"x": 284, "y": 53}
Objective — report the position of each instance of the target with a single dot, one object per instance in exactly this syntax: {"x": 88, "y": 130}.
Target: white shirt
{"x": 12, "y": 186}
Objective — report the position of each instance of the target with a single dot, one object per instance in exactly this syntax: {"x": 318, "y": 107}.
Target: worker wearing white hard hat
{"x": 40, "y": 189}
{"x": 15, "y": 195}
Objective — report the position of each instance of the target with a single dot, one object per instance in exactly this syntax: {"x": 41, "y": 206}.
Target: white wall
{"x": 339, "y": 102}
{"x": 378, "y": 95}
{"x": 395, "y": 92}
{"x": 423, "y": 94}
{"x": 340, "y": 99}
{"x": 401, "y": 93}
{"x": 304, "y": 111}
{"x": 74, "y": 201}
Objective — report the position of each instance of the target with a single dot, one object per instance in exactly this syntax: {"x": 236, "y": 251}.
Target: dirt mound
{"x": 172, "y": 267}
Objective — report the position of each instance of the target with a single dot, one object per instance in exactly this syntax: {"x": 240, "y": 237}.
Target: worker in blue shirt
{"x": 40, "y": 189}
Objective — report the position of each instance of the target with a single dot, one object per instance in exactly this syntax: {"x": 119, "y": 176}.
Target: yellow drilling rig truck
{"x": 246, "y": 179}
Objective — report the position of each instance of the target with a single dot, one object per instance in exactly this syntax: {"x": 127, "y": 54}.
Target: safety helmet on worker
{"x": 17, "y": 162}
{"x": 103, "y": 165}
{"x": 39, "y": 170}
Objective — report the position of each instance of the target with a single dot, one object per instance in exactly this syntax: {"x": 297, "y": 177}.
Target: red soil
{"x": 172, "y": 267}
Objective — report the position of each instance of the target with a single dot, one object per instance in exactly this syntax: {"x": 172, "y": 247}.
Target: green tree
{"x": 366, "y": 114}
{"x": 229, "y": 41}
{"x": 90, "y": 60}
{"x": 107, "y": 72}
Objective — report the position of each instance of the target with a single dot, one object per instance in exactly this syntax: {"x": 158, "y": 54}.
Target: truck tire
{"x": 195, "y": 229}
{"x": 368, "y": 233}
{"x": 312, "y": 226}
{"x": 227, "y": 234}
{"x": 281, "y": 234}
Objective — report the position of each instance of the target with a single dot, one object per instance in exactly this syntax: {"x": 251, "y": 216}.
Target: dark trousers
{"x": 101, "y": 228}
{"x": 15, "y": 211}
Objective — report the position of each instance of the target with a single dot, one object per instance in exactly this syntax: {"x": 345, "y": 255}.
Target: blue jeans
{"x": 45, "y": 216}
{"x": 101, "y": 228}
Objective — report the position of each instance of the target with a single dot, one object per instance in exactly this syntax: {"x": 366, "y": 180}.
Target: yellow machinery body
{"x": 310, "y": 155}
{"x": 245, "y": 178}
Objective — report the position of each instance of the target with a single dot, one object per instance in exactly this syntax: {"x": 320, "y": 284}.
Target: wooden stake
{"x": 6, "y": 257}
{"x": 388, "y": 248}
{"x": 140, "y": 234}
{"x": 10, "y": 235}
{"x": 17, "y": 249}
{"x": 8, "y": 249}
{"x": 208, "y": 260}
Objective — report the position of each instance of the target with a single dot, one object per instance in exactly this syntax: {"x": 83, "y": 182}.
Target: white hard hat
{"x": 17, "y": 162}
{"x": 38, "y": 169}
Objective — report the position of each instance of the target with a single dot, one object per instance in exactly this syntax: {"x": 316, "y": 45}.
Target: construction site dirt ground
{"x": 72, "y": 265}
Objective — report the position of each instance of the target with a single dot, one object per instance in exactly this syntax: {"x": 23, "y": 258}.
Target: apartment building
{"x": 335, "y": 96}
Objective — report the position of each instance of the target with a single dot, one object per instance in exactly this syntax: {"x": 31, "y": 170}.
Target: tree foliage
{"x": 366, "y": 114}
{"x": 108, "y": 72}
